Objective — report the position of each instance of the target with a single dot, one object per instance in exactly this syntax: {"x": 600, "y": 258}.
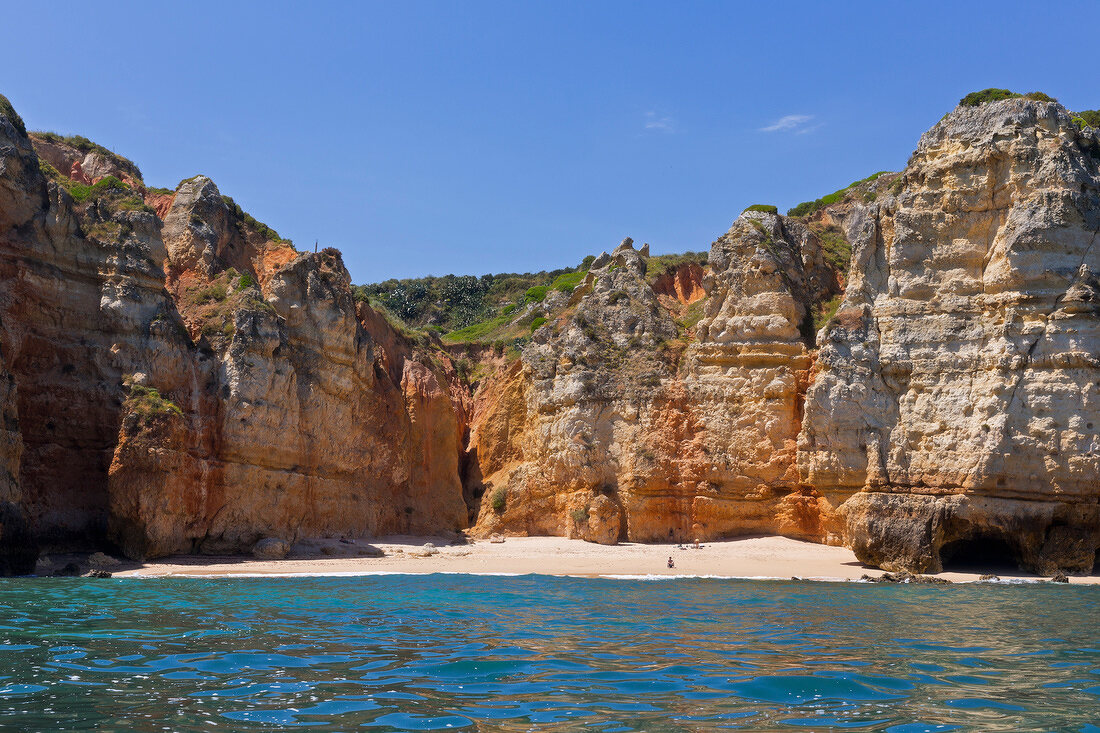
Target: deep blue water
{"x": 443, "y": 652}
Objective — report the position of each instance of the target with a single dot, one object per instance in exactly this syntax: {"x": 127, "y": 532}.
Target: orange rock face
{"x": 309, "y": 415}
{"x": 183, "y": 380}
{"x": 684, "y": 284}
{"x": 610, "y": 428}
{"x": 186, "y": 384}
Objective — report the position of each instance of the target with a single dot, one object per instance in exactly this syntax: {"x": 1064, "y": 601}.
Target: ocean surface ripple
{"x": 448, "y": 652}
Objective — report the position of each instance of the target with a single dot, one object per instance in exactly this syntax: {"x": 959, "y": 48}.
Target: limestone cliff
{"x": 294, "y": 425}
{"x": 957, "y": 386}
{"x": 193, "y": 383}
{"x": 176, "y": 377}
{"x": 618, "y": 424}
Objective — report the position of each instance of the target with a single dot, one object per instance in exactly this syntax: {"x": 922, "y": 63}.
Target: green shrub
{"x": 246, "y": 281}
{"x": 1040, "y": 97}
{"x": 475, "y": 331}
{"x": 499, "y": 499}
{"x": 826, "y": 311}
{"x": 837, "y": 249}
{"x": 660, "y": 264}
{"x": 985, "y": 96}
{"x": 455, "y": 302}
{"x": 580, "y": 515}
{"x": 536, "y": 323}
{"x": 49, "y": 171}
{"x": 8, "y": 111}
{"x": 567, "y": 281}
{"x": 536, "y": 294}
{"x": 808, "y": 207}
{"x": 1088, "y": 118}
{"x": 243, "y": 217}
{"x": 587, "y": 262}
{"x": 81, "y": 192}
{"x": 765, "y": 208}
{"x": 692, "y": 315}
{"x": 148, "y": 402}
{"x": 215, "y": 292}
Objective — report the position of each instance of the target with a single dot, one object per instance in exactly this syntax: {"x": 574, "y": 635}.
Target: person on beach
{"x": 670, "y": 563}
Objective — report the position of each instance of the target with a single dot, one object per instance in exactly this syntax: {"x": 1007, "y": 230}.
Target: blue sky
{"x": 472, "y": 137}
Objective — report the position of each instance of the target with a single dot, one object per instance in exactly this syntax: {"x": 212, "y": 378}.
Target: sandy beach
{"x": 754, "y": 557}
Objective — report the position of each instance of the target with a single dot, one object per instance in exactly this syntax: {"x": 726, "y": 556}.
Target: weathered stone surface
{"x": 177, "y": 379}
{"x": 612, "y": 427}
{"x": 271, "y": 548}
{"x": 78, "y": 297}
{"x": 959, "y": 379}
{"x": 299, "y": 429}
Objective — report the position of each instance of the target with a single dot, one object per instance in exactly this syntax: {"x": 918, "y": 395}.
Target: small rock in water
{"x": 97, "y": 573}
{"x": 1059, "y": 578}
{"x": 271, "y": 548}
{"x": 101, "y": 560}
{"x": 988, "y": 577}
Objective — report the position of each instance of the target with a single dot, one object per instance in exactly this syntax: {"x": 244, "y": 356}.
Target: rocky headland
{"x": 909, "y": 367}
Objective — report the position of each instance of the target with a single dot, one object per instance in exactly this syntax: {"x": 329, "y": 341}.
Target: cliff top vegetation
{"x": 993, "y": 94}
{"x": 859, "y": 187}
{"x": 84, "y": 145}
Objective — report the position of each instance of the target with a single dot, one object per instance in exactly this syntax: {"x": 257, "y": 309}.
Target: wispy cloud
{"x": 659, "y": 124}
{"x": 798, "y": 124}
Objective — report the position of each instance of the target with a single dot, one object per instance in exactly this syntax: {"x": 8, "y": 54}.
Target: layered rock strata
{"x": 188, "y": 384}
{"x": 611, "y": 426}
{"x": 177, "y": 378}
{"x": 958, "y": 387}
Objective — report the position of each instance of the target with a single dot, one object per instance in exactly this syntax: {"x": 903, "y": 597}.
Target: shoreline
{"x": 749, "y": 558}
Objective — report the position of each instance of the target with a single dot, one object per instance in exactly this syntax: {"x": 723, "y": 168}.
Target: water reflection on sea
{"x": 534, "y": 652}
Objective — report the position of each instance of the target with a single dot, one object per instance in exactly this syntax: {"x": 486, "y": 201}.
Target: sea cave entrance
{"x": 982, "y": 552}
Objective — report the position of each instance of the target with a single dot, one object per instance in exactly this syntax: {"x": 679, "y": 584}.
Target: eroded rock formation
{"x": 957, "y": 386}
{"x": 613, "y": 427}
{"x": 177, "y": 378}
{"x": 188, "y": 384}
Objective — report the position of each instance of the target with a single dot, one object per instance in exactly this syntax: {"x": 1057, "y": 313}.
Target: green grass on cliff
{"x": 825, "y": 311}
{"x": 471, "y": 309}
{"x": 808, "y": 207}
{"x": 1088, "y": 118}
{"x": 149, "y": 403}
{"x": 456, "y": 303}
{"x": 660, "y": 264}
{"x": 763, "y": 208}
{"x": 85, "y": 145}
{"x": 251, "y": 222}
{"x": 82, "y": 192}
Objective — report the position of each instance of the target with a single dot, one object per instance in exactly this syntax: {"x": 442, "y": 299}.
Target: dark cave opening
{"x": 979, "y": 552}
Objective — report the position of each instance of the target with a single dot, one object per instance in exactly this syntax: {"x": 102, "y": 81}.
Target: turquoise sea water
{"x": 443, "y": 652}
